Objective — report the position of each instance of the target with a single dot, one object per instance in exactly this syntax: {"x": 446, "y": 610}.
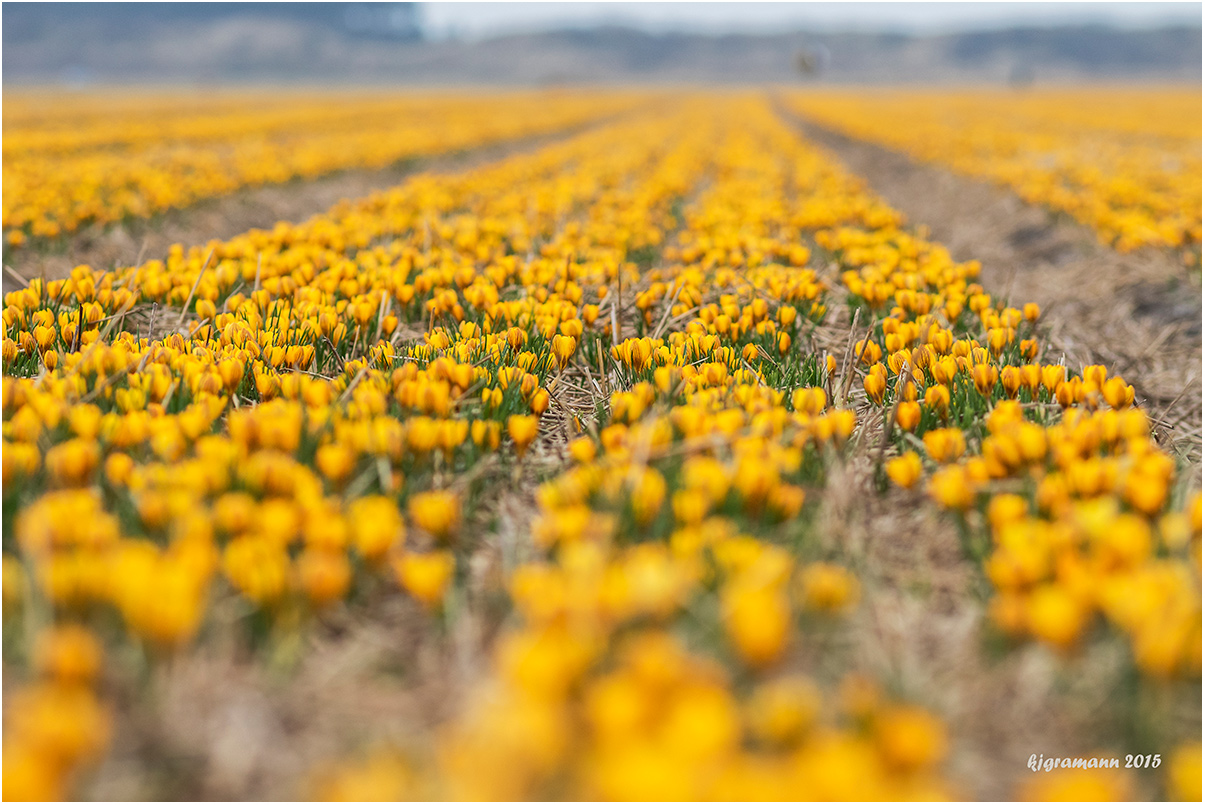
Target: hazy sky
{"x": 475, "y": 20}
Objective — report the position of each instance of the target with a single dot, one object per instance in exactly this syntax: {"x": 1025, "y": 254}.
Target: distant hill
{"x": 25, "y": 21}
{"x": 381, "y": 43}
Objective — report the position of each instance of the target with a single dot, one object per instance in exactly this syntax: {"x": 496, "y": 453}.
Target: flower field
{"x": 103, "y": 158}
{"x": 623, "y": 426}
{"x": 1126, "y": 162}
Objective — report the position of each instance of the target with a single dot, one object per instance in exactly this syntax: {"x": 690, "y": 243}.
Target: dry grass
{"x": 225, "y": 722}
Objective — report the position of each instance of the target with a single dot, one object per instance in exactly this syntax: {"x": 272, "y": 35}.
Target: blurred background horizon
{"x": 537, "y": 44}
{"x": 477, "y": 20}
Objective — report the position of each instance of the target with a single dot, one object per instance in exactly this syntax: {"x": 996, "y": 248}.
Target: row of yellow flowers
{"x": 107, "y": 160}
{"x": 1085, "y": 528}
{"x": 967, "y": 393}
{"x": 1126, "y": 162}
{"x": 658, "y": 649}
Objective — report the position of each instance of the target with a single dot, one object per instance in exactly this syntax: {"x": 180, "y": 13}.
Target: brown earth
{"x": 226, "y": 722}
